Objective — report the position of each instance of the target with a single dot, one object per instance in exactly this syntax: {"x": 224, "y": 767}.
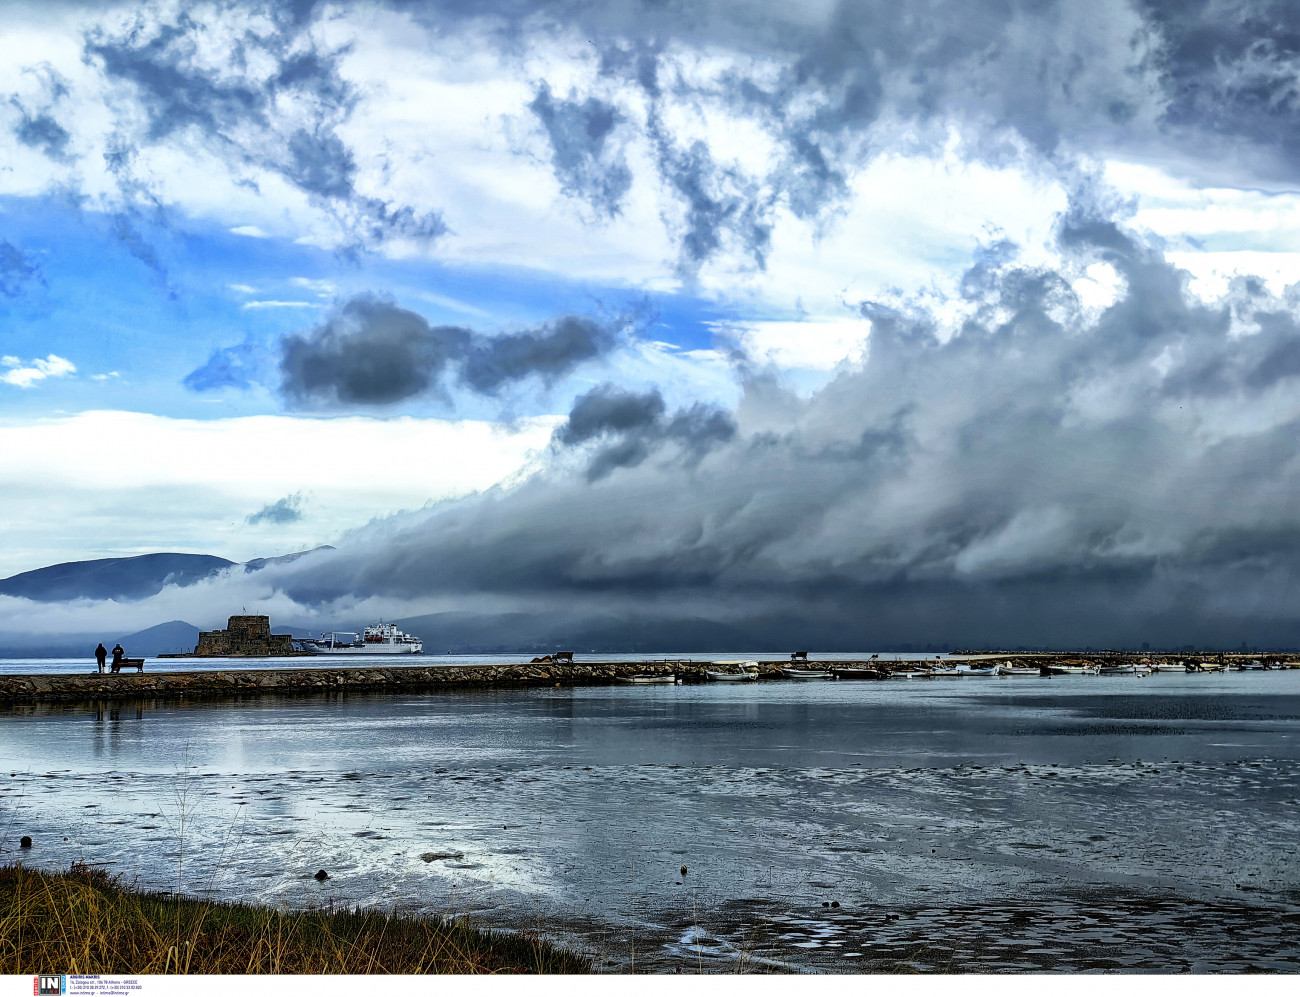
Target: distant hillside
{"x": 121, "y": 578}
{"x": 125, "y": 579}
{"x": 165, "y": 638}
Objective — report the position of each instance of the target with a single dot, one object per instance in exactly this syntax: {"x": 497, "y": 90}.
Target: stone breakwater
{"x": 21, "y": 689}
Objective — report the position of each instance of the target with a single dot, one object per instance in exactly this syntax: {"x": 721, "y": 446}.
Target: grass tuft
{"x": 85, "y": 921}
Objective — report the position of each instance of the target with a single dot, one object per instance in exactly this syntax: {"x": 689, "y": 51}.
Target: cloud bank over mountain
{"x": 1045, "y": 473}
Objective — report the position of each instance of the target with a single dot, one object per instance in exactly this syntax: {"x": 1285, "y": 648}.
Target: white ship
{"x": 382, "y": 638}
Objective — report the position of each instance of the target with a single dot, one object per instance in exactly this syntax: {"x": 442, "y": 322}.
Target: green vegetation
{"x": 84, "y": 921}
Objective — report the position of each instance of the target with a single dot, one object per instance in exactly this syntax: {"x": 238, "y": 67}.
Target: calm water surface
{"x": 1075, "y": 823}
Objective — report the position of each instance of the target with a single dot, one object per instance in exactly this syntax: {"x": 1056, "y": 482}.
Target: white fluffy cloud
{"x": 26, "y": 374}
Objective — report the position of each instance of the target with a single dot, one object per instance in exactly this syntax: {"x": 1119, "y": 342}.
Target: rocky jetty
{"x": 221, "y": 683}
{"x": 18, "y": 689}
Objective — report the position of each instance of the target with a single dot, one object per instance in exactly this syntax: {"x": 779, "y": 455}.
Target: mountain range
{"x": 126, "y": 579}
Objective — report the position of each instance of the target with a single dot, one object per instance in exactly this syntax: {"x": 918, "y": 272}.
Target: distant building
{"x": 246, "y": 637}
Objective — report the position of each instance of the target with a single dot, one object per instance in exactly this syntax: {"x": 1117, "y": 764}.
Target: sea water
{"x": 977, "y": 824}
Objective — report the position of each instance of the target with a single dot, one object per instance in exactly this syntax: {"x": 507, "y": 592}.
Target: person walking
{"x": 118, "y": 655}
{"x": 101, "y": 653}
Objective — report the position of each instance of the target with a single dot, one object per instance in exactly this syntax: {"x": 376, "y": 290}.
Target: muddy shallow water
{"x": 971, "y": 825}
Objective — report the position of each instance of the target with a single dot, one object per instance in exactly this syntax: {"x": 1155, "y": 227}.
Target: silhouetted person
{"x": 101, "y": 653}
{"x": 118, "y": 655}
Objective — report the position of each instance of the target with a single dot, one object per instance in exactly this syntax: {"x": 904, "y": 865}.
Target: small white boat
{"x": 1072, "y": 669}
{"x": 974, "y": 670}
{"x": 1006, "y": 670}
{"x": 647, "y": 679}
{"x": 1118, "y": 670}
{"x": 748, "y": 672}
{"x": 911, "y": 674}
{"x": 946, "y": 673}
{"x": 1181, "y": 667}
{"x": 805, "y": 673}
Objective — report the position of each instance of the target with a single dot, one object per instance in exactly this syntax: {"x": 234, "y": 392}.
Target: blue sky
{"x": 616, "y": 266}
{"x": 148, "y": 327}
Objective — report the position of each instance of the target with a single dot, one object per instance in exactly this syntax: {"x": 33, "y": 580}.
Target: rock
{"x": 25, "y": 842}
{"x": 435, "y": 856}
{"x": 321, "y": 876}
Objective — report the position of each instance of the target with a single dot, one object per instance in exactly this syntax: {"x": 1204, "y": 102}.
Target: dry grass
{"x": 83, "y": 921}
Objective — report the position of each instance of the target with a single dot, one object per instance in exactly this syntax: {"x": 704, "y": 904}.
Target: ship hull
{"x": 372, "y": 649}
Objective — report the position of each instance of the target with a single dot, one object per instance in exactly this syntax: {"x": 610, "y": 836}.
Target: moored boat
{"x": 646, "y": 679}
{"x": 864, "y": 674}
{"x": 1006, "y": 670}
{"x": 1118, "y": 670}
{"x": 748, "y": 672}
{"x": 805, "y": 673}
{"x": 1071, "y": 669}
{"x": 977, "y": 670}
{"x": 915, "y": 673}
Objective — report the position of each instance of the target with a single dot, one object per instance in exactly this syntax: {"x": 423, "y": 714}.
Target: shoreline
{"x": 109, "y": 926}
{"x": 18, "y": 690}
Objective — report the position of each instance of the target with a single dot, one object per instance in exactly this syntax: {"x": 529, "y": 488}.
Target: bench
{"x": 136, "y": 663}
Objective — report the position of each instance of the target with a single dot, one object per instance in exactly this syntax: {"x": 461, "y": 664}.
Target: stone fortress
{"x": 244, "y": 637}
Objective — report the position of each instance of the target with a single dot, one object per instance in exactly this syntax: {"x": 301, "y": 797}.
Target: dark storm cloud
{"x": 17, "y": 270}
{"x": 1233, "y": 70}
{"x": 583, "y": 152}
{"x": 280, "y": 512}
{"x": 284, "y": 119}
{"x": 371, "y": 352}
{"x": 548, "y": 352}
{"x": 1045, "y": 474}
{"x": 630, "y": 426}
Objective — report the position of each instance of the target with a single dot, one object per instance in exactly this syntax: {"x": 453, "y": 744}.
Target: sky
{"x": 855, "y": 322}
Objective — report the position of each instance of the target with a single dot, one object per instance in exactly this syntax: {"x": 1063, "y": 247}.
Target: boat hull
{"x": 371, "y": 649}
{"x": 647, "y": 679}
{"x": 804, "y": 674}
{"x": 1070, "y": 670}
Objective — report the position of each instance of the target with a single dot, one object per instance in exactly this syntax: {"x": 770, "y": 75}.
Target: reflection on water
{"x": 980, "y": 825}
